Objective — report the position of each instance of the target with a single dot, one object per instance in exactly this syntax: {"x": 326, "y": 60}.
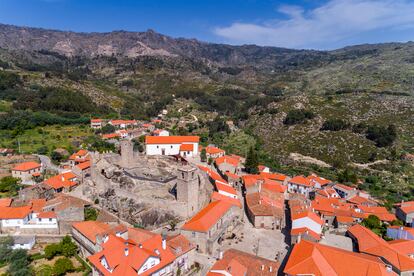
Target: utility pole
{"x": 18, "y": 143}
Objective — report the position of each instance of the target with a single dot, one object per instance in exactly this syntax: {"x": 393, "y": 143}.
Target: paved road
{"x": 47, "y": 163}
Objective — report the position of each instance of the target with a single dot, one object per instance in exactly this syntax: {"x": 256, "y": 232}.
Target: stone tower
{"x": 188, "y": 188}
{"x": 127, "y": 154}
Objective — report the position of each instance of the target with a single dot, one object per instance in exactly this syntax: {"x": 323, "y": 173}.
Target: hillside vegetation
{"x": 351, "y": 108}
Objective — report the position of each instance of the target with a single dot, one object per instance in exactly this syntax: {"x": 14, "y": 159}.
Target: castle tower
{"x": 188, "y": 188}
{"x": 127, "y": 153}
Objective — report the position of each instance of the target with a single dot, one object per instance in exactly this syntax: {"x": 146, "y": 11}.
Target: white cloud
{"x": 330, "y": 24}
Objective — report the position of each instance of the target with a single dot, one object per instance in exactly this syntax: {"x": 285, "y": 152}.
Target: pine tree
{"x": 203, "y": 155}
{"x": 252, "y": 161}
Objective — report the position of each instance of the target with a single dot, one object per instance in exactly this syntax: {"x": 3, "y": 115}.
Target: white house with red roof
{"x": 345, "y": 191}
{"x": 186, "y": 146}
{"x": 123, "y": 123}
{"x": 301, "y": 185}
{"x": 307, "y": 225}
{"x": 161, "y": 132}
{"x": 26, "y": 171}
{"x": 405, "y": 212}
{"x": 96, "y": 123}
{"x": 118, "y": 250}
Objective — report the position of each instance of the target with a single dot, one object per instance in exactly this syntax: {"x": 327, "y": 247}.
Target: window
{"x": 171, "y": 146}
{"x": 50, "y": 219}
{"x": 193, "y": 234}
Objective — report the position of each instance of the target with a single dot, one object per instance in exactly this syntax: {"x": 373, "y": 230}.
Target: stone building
{"x": 26, "y": 171}
{"x": 266, "y": 209}
{"x": 209, "y": 227}
{"x": 188, "y": 185}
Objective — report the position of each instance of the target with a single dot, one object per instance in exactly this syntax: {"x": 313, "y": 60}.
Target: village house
{"x": 118, "y": 250}
{"x": 345, "y": 191}
{"x": 6, "y": 152}
{"x": 78, "y": 157}
{"x": 123, "y": 123}
{"x": 327, "y": 192}
{"x": 96, "y": 123}
{"x": 236, "y": 262}
{"x": 400, "y": 232}
{"x": 400, "y": 261}
{"x": 39, "y": 190}
{"x": 28, "y": 219}
{"x": 62, "y": 182}
{"x": 265, "y": 209}
{"x": 405, "y": 212}
{"x": 306, "y": 225}
{"x": 225, "y": 189}
{"x": 310, "y": 258}
{"x": 23, "y": 242}
{"x": 228, "y": 163}
{"x": 68, "y": 209}
{"x": 160, "y": 132}
{"x": 186, "y": 146}
{"x": 232, "y": 179}
{"x": 208, "y": 228}
{"x": 300, "y": 184}
{"x": 26, "y": 171}
{"x": 213, "y": 152}
{"x": 82, "y": 170}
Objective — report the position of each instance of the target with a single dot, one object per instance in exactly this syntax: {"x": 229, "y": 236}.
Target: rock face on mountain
{"x": 149, "y": 43}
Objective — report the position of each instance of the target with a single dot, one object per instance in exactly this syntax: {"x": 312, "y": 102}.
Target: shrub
{"x": 62, "y": 266}
{"x": 298, "y": 116}
{"x": 335, "y": 125}
{"x": 382, "y": 136}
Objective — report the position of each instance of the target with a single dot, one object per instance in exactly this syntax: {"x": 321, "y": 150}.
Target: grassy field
{"x": 51, "y": 137}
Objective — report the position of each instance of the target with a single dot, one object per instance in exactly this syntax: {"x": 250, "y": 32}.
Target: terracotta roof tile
{"x": 26, "y": 166}
{"x": 171, "y": 139}
{"x": 309, "y": 258}
{"x": 207, "y": 217}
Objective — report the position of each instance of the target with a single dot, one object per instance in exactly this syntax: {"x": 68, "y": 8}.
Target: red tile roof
{"x": 239, "y": 263}
{"x": 128, "y": 264}
{"x": 405, "y": 247}
{"x": 234, "y": 201}
{"x": 274, "y": 176}
{"x": 308, "y": 214}
{"x": 26, "y": 166}
{"x": 79, "y": 154}
{"x": 225, "y": 188}
{"x": 407, "y": 207}
{"x": 207, "y": 217}
{"x": 90, "y": 229}
{"x": 96, "y": 120}
{"x": 214, "y": 150}
{"x": 49, "y": 214}
{"x": 370, "y": 243}
{"x": 301, "y": 180}
{"x": 228, "y": 160}
{"x": 84, "y": 165}
{"x": 266, "y": 204}
{"x": 171, "y": 139}
{"x": 309, "y": 258}
{"x": 317, "y": 179}
{"x": 110, "y": 135}
{"x": 305, "y": 231}
{"x": 186, "y": 147}
{"x": 232, "y": 175}
{"x": 15, "y": 212}
{"x": 63, "y": 180}
{"x": 274, "y": 186}
{"x": 5, "y": 202}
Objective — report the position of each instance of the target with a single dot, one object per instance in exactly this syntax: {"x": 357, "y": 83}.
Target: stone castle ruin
{"x": 149, "y": 191}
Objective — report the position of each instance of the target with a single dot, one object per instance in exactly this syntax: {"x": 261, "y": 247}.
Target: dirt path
{"x": 307, "y": 159}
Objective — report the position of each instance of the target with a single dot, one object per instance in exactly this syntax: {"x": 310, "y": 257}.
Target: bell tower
{"x": 188, "y": 188}
{"x": 127, "y": 153}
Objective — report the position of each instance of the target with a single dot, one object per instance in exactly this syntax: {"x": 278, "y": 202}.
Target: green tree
{"x": 203, "y": 155}
{"x": 252, "y": 161}
{"x": 56, "y": 157}
{"x": 91, "y": 214}
{"x": 108, "y": 128}
{"x": 5, "y": 248}
{"x": 19, "y": 262}
{"x": 9, "y": 184}
{"x": 51, "y": 250}
{"x": 62, "y": 266}
{"x": 68, "y": 247}
{"x": 372, "y": 222}
{"x": 44, "y": 270}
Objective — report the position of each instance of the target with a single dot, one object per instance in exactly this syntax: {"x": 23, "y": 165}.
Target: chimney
{"x": 270, "y": 269}
{"x": 164, "y": 241}
{"x": 262, "y": 267}
{"x": 220, "y": 255}
{"x": 140, "y": 245}
{"x": 299, "y": 238}
{"x": 126, "y": 251}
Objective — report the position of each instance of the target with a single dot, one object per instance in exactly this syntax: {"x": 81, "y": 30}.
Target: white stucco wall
{"x": 307, "y": 222}
{"x": 169, "y": 149}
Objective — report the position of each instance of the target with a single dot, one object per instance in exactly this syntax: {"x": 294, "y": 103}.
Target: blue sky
{"x": 317, "y": 24}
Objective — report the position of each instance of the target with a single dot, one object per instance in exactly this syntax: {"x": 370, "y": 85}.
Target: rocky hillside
{"x": 135, "y": 74}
